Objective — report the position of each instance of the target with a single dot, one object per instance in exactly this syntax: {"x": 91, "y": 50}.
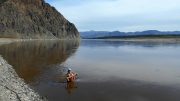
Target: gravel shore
{"x": 13, "y": 88}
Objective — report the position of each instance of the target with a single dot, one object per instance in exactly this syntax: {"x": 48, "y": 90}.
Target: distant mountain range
{"x": 118, "y": 34}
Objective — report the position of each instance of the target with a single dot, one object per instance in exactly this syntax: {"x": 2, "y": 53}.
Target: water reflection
{"x": 70, "y": 86}
{"x": 31, "y": 58}
{"x": 117, "y": 43}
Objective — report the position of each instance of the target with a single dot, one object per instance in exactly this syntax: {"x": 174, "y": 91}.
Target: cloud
{"x": 123, "y": 15}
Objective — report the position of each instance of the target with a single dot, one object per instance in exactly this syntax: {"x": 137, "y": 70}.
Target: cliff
{"x": 33, "y": 19}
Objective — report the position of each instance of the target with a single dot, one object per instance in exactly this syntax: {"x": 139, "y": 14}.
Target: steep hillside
{"x": 33, "y": 19}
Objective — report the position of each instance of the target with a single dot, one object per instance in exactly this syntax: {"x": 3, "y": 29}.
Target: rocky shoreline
{"x": 13, "y": 88}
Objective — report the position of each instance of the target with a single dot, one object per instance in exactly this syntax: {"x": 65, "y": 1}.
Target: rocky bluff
{"x": 33, "y": 19}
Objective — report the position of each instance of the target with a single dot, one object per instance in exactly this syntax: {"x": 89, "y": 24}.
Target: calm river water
{"x": 107, "y": 70}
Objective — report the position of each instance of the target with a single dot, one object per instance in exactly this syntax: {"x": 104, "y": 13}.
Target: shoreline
{"x": 9, "y": 40}
{"x": 168, "y": 40}
{"x": 6, "y": 40}
{"x": 13, "y": 88}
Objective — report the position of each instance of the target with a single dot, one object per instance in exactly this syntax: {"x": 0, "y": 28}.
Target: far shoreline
{"x": 140, "y": 39}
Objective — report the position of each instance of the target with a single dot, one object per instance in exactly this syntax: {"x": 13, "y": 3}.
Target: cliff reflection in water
{"x": 31, "y": 58}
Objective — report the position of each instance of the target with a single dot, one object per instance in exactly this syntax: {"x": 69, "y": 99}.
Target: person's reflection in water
{"x": 70, "y": 86}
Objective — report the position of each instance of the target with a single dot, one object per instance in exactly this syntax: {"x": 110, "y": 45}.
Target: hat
{"x": 69, "y": 69}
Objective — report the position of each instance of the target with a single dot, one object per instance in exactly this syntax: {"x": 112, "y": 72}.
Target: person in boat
{"x": 70, "y": 76}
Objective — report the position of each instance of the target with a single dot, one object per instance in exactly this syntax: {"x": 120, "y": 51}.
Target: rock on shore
{"x": 13, "y": 88}
{"x": 33, "y": 19}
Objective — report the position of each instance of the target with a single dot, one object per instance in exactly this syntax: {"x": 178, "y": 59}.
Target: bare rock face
{"x": 33, "y": 19}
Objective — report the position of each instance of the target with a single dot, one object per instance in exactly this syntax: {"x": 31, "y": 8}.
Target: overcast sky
{"x": 122, "y": 15}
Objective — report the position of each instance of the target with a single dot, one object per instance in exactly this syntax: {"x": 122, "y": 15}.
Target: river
{"x": 108, "y": 70}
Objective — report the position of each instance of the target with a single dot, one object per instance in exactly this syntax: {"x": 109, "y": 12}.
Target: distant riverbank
{"x": 168, "y": 40}
{"x": 137, "y": 34}
{"x": 141, "y": 37}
